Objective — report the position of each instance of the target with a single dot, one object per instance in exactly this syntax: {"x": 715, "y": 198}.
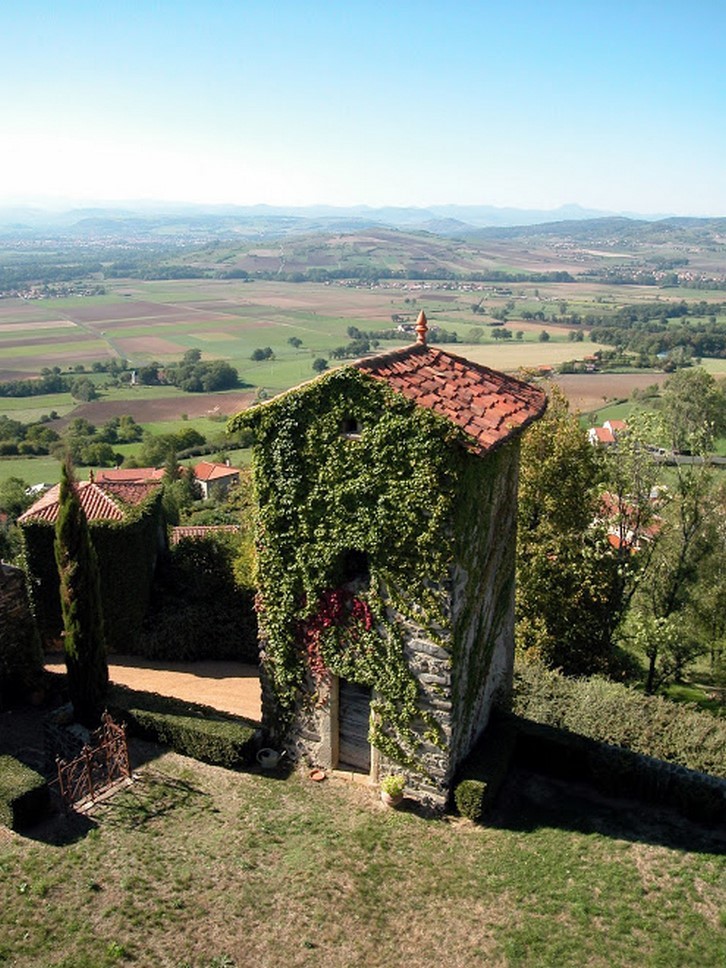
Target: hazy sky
{"x": 614, "y": 104}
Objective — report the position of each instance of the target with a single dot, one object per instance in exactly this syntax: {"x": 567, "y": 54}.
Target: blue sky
{"x": 612, "y": 105}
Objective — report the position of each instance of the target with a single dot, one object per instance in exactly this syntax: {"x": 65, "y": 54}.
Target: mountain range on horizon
{"x": 58, "y": 216}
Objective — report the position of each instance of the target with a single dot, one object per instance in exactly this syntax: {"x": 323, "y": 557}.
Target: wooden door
{"x": 354, "y": 716}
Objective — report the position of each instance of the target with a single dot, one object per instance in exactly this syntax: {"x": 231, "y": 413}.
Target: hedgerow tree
{"x": 559, "y": 605}
{"x": 690, "y": 542}
{"x": 80, "y": 592}
{"x": 573, "y": 584}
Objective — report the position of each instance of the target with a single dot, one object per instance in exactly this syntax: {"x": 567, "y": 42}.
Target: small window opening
{"x": 354, "y": 569}
{"x": 351, "y": 428}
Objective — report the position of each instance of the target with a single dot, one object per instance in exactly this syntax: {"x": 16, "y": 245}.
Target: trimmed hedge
{"x": 193, "y": 730}
{"x": 198, "y": 612}
{"x": 127, "y": 553}
{"x": 483, "y": 772}
{"x": 24, "y": 797}
{"x": 619, "y": 772}
{"x": 614, "y": 714}
{"x": 21, "y": 657}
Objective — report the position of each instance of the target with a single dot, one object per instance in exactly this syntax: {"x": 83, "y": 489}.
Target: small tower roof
{"x": 490, "y": 407}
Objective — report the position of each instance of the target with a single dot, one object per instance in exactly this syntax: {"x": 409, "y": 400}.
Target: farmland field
{"x": 227, "y": 319}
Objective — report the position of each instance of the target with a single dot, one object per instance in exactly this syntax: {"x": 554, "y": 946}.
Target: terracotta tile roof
{"x": 129, "y": 474}
{"x": 106, "y": 501}
{"x": 131, "y": 492}
{"x": 602, "y": 435}
{"x": 207, "y": 470}
{"x": 490, "y": 407}
{"x": 200, "y": 531}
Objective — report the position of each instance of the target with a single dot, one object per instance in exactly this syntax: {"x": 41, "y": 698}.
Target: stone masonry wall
{"x": 483, "y": 609}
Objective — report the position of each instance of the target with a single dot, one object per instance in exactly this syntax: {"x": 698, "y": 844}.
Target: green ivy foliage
{"x": 386, "y": 491}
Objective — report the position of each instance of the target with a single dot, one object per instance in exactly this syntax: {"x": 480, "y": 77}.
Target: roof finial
{"x": 91, "y": 476}
{"x": 421, "y": 328}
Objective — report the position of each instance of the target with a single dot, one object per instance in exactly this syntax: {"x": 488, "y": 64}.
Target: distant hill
{"x": 622, "y": 229}
{"x": 161, "y": 221}
{"x": 323, "y": 243}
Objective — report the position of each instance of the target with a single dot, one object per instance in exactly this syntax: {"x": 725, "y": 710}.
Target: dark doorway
{"x": 354, "y": 716}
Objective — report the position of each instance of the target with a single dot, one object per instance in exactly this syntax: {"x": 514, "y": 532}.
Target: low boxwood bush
{"x": 615, "y": 771}
{"x": 483, "y": 772}
{"x": 24, "y": 794}
{"x": 193, "y": 730}
{"x": 614, "y": 714}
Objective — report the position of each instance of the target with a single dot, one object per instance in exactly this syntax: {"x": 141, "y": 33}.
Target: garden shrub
{"x": 24, "y": 794}
{"x": 614, "y": 714}
{"x": 193, "y": 730}
{"x": 198, "y": 610}
{"x": 127, "y": 555}
{"x": 218, "y": 741}
{"x": 484, "y": 770}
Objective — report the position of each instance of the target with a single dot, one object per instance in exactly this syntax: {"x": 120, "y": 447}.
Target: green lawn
{"x": 197, "y": 867}
{"x": 32, "y": 470}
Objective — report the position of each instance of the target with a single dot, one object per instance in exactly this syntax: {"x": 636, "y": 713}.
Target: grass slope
{"x": 194, "y": 867}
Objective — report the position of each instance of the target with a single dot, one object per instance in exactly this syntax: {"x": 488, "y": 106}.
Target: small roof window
{"x": 351, "y": 428}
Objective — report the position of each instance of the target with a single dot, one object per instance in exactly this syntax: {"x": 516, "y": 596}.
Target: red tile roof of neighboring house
{"x": 615, "y": 425}
{"x": 603, "y": 435}
{"x": 106, "y": 501}
{"x": 207, "y": 470}
{"x": 490, "y": 407}
{"x": 129, "y": 474}
{"x": 200, "y": 531}
{"x": 131, "y": 492}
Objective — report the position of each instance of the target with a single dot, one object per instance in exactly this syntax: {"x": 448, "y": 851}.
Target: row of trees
{"x": 191, "y": 374}
{"x": 612, "y": 568}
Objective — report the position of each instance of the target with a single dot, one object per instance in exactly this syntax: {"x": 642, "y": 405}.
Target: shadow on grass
{"x": 152, "y": 795}
{"x": 531, "y": 801}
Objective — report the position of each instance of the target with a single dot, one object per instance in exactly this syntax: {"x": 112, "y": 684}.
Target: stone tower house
{"x": 387, "y": 494}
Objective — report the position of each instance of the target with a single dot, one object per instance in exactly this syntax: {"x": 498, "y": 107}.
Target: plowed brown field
{"x": 166, "y": 408}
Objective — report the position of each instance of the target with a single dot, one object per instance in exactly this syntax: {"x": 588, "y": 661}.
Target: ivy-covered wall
{"x": 372, "y": 517}
{"x": 127, "y": 552}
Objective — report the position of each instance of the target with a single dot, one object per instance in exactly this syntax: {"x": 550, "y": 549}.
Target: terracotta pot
{"x": 389, "y": 800}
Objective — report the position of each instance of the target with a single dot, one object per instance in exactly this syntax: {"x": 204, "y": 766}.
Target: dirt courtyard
{"x": 232, "y": 687}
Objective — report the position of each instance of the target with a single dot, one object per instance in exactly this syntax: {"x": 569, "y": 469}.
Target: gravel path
{"x": 232, "y": 687}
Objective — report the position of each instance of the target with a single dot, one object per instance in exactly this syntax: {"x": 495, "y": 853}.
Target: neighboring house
{"x": 126, "y": 524}
{"x": 129, "y": 475}
{"x": 215, "y": 479}
{"x": 630, "y": 527}
{"x": 601, "y": 436}
{"x": 606, "y": 435}
{"x": 386, "y": 552}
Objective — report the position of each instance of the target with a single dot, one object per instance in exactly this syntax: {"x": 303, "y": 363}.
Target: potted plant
{"x": 392, "y": 788}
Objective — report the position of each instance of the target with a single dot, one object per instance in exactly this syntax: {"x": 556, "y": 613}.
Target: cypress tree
{"x": 80, "y": 591}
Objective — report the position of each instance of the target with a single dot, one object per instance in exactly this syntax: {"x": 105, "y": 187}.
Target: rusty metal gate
{"x": 102, "y": 763}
